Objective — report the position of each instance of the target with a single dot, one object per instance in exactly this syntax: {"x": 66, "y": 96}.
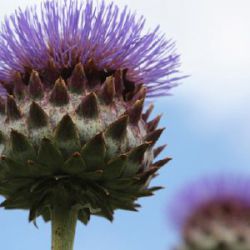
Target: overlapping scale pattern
{"x": 83, "y": 139}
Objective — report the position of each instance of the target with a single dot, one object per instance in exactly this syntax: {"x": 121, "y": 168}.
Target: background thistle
{"x": 213, "y": 214}
{"x": 74, "y": 139}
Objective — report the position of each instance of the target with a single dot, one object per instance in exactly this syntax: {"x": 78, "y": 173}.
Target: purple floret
{"x": 72, "y": 31}
{"x": 206, "y": 190}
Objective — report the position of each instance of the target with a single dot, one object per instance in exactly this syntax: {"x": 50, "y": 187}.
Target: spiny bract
{"x": 73, "y": 129}
{"x": 215, "y": 214}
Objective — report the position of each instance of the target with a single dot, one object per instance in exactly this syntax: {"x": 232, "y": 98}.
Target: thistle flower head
{"x": 73, "y": 132}
{"x": 61, "y": 34}
{"x": 214, "y": 213}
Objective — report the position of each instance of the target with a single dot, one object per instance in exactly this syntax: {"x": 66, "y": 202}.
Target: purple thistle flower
{"x": 75, "y": 140}
{"x": 69, "y": 32}
{"x": 213, "y": 213}
{"x": 206, "y": 190}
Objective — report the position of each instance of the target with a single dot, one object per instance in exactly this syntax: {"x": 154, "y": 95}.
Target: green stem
{"x": 63, "y": 227}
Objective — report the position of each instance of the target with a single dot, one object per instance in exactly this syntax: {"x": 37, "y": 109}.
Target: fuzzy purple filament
{"x": 73, "y": 31}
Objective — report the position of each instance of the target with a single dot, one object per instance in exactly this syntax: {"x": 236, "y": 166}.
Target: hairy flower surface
{"x": 214, "y": 214}
{"x": 73, "y": 133}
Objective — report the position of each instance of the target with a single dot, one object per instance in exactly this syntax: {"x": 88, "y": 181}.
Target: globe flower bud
{"x": 214, "y": 214}
{"x": 75, "y": 139}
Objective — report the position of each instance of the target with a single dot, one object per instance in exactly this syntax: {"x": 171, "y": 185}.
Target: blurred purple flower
{"x": 218, "y": 190}
{"x": 73, "y": 31}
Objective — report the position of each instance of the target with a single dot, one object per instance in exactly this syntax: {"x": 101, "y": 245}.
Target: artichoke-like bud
{"x": 214, "y": 214}
{"x": 82, "y": 139}
{"x": 73, "y": 129}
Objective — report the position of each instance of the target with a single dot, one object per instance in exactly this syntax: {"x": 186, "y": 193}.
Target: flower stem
{"x": 63, "y": 227}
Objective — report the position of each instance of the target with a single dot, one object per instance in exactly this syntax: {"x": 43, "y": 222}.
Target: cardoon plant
{"x": 214, "y": 214}
{"x": 74, "y": 140}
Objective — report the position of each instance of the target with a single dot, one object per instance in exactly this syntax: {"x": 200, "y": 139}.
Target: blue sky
{"x": 207, "y": 121}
